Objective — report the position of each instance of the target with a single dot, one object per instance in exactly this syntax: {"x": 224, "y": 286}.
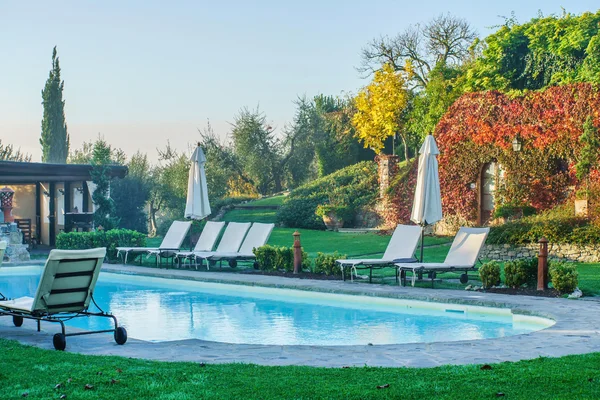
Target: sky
{"x": 141, "y": 72}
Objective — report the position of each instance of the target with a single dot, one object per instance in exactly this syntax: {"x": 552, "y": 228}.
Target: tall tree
{"x": 131, "y": 193}
{"x": 445, "y": 41}
{"x": 55, "y": 139}
{"x": 104, "y": 214}
{"x": 379, "y": 108}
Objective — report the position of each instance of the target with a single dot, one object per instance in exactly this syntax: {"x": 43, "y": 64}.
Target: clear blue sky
{"x": 141, "y": 72}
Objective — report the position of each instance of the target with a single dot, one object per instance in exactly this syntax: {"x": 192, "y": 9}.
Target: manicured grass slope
{"x": 37, "y": 372}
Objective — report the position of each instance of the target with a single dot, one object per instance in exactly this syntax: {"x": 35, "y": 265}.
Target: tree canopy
{"x": 379, "y": 108}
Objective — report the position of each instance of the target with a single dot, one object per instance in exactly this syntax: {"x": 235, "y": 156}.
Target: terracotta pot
{"x": 332, "y": 221}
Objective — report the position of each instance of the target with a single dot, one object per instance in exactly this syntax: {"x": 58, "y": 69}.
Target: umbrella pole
{"x": 422, "y": 230}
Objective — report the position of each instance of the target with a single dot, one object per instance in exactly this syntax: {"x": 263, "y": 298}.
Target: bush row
{"x": 519, "y": 273}
{"x": 558, "y": 225}
{"x": 273, "y": 258}
{"x": 278, "y": 258}
{"x": 110, "y": 239}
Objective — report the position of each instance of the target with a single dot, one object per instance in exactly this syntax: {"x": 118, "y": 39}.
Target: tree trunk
{"x": 152, "y": 214}
{"x": 406, "y": 156}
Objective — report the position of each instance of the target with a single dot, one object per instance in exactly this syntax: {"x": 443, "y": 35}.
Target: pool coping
{"x": 575, "y": 331}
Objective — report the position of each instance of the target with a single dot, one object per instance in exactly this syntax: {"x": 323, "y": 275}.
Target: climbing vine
{"x": 480, "y": 127}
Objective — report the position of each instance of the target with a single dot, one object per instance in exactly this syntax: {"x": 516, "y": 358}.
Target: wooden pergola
{"x": 65, "y": 175}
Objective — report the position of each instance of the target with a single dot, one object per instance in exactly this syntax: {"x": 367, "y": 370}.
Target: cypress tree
{"x": 55, "y": 139}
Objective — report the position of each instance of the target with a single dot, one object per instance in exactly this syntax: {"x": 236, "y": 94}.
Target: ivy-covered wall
{"x": 480, "y": 127}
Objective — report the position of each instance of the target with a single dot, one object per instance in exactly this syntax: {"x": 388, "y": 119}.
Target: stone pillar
{"x": 387, "y": 170}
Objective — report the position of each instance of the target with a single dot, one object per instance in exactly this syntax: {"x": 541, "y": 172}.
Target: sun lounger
{"x": 206, "y": 241}
{"x": 171, "y": 243}
{"x": 462, "y": 256}
{"x": 65, "y": 291}
{"x": 401, "y": 248}
{"x": 234, "y": 234}
{"x": 257, "y": 236}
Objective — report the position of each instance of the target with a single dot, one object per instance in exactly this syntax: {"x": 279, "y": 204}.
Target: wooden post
{"x": 542, "y": 283}
{"x": 297, "y": 253}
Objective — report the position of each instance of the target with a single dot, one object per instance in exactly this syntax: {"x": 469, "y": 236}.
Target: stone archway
{"x": 490, "y": 178}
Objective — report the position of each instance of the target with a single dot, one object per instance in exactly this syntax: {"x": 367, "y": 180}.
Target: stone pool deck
{"x": 577, "y": 330}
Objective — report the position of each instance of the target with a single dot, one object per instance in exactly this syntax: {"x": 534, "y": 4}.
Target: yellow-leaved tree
{"x": 379, "y": 108}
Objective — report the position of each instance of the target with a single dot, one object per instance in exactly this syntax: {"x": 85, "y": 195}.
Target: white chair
{"x": 64, "y": 292}
{"x": 401, "y": 247}
{"x": 257, "y": 236}
{"x": 170, "y": 243}
{"x": 206, "y": 241}
{"x": 234, "y": 234}
{"x": 463, "y": 255}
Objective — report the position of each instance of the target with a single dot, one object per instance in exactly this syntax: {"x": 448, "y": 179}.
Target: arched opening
{"x": 489, "y": 181}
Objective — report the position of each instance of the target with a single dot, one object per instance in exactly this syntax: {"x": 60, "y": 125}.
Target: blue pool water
{"x": 158, "y": 309}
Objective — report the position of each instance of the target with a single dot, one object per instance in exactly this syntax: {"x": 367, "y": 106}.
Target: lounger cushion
{"x": 21, "y": 304}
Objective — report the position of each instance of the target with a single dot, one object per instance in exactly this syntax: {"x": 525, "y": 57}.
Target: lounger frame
{"x": 58, "y": 313}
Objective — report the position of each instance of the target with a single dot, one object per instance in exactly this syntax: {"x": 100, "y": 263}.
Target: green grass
{"x": 589, "y": 278}
{"x": 37, "y": 372}
{"x": 267, "y": 201}
{"x": 251, "y": 215}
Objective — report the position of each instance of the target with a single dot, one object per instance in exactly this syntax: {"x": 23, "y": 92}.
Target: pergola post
{"x": 67, "y": 203}
{"x": 52, "y": 214}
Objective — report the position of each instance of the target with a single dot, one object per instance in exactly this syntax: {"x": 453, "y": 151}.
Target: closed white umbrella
{"x": 197, "y": 205}
{"x": 427, "y": 204}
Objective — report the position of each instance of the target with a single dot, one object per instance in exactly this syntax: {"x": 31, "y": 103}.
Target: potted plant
{"x": 333, "y": 215}
{"x": 588, "y": 159}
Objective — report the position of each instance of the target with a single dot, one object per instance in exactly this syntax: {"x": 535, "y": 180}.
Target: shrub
{"x": 490, "y": 274}
{"x": 563, "y": 276}
{"x": 350, "y": 188}
{"x": 558, "y": 226}
{"x": 510, "y": 212}
{"x": 110, "y": 239}
{"x": 325, "y": 264}
{"x": 277, "y": 258}
{"x": 520, "y": 272}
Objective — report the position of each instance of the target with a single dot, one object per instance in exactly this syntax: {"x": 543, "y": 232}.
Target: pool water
{"x": 157, "y": 309}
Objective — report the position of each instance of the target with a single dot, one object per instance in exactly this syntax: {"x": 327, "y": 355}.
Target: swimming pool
{"x": 157, "y": 309}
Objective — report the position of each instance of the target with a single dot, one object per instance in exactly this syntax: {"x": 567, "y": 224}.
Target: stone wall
{"x": 565, "y": 252}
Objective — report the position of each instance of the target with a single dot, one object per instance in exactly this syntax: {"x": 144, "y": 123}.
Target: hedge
{"x": 352, "y": 187}
{"x": 278, "y": 258}
{"x": 109, "y": 239}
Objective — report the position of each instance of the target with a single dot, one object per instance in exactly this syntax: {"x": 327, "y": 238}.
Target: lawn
{"x": 267, "y": 201}
{"x": 251, "y": 215}
{"x": 34, "y": 373}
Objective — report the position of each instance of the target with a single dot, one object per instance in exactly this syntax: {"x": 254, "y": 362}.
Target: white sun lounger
{"x": 170, "y": 243}
{"x": 462, "y": 256}
{"x": 234, "y": 234}
{"x": 65, "y": 291}
{"x": 401, "y": 247}
{"x": 257, "y": 236}
{"x": 206, "y": 241}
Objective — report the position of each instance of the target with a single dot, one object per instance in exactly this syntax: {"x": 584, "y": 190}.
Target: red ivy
{"x": 480, "y": 127}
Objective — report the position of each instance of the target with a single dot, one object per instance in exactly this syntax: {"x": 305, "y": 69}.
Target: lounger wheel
{"x": 256, "y": 265}
{"x": 211, "y": 263}
{"x": 233, "y": 263}
{"x": 60, "y": 341}
{"x": 17, "y": 320}
{"x": 432, "y": 275}
{"x": 120, "y": 335}
{"x": 464, "y": 278}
